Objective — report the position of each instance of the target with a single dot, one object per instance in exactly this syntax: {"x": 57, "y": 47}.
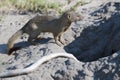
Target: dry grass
{"x": 33, "y": 5}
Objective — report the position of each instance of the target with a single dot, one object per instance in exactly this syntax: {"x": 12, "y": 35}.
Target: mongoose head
{"x": 73, "y": 16}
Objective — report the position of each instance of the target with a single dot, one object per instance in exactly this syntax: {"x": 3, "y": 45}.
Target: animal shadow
{"x": 3, "y": 49}
{"x": 19, "y": 45}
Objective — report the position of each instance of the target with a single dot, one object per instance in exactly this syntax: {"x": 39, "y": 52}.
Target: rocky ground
{"x": 94, "y": 41}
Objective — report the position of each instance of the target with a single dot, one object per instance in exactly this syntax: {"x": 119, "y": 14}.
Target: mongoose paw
{"x": 62, "y": 42}
{"x": 59, "y": 44}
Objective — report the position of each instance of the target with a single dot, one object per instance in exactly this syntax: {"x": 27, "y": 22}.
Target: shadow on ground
{"x": 98, "y": 40}
{"x": 3, "y": 48}
{"x": 24, "y": 44}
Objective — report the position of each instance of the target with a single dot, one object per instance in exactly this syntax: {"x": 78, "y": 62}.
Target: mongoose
{"x": 45, "y": 23}
{"x": 35, "y": 65}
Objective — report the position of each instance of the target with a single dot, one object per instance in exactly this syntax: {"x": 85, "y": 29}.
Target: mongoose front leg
{"x": 59, "y": 39}
{"x": 60, "y": 35}
{"x": 56, "y": 40}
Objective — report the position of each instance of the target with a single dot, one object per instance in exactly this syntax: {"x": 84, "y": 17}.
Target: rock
{"x": 94, "y": 41}
{"x": 100, "y": 34}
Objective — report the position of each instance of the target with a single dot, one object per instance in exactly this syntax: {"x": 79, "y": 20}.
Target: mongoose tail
{"x": 11, "y": 41}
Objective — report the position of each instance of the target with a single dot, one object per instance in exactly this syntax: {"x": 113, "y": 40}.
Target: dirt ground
{"x": 94, "y": 41}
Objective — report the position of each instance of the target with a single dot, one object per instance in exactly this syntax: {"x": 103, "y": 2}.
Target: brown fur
{"x": 45, "y": 23}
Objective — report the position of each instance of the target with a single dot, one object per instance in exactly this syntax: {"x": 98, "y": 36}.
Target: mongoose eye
{"x": 68, "y": 16}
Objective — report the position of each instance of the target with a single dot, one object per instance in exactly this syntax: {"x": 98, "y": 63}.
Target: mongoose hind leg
{"x": 37, "y": 39}
{"x": 33, "y": 41}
